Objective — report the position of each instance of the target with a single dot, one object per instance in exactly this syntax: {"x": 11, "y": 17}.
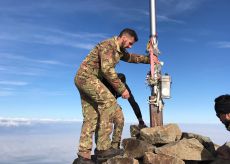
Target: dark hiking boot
{"x": 82, "y": 160}
{"x": 108, "y": 153}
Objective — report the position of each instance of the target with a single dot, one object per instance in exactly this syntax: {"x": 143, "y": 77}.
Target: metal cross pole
{"x": 155, "y": 100}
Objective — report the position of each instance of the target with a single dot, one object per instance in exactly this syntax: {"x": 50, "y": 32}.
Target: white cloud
{"x": 88, "y": 6}
{"x": 15, "y": 64}
{"x": 52, "y": 145}
{"x": 49, "y": 93}
{"x": 163, "y": 18}
{"x": 79, "y": 35}
{"x": 29, "y": 60}
{"x": 17, "y": 70}
{"x": 83, "y": 40}
{"x": 6, "y": 93}
{"x": 174, "y": 7}
{"x": 222, "y": 44}
{"x": 38, "y": 145}
{"x": 15, "y": 83}
{"x": 83, "y": 46}
{"x": 15, "y": 122}
{"x": 55, "y": 40}
{"x": 188, "y": 40}
{"x": 57, "y": 144}
{"x": 51, "y": 62}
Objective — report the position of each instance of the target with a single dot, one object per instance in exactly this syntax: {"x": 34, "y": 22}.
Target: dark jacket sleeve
{"x": 109, "y": 86}
{"x": 131, "y": 99}
{"x": 134, "y": 104}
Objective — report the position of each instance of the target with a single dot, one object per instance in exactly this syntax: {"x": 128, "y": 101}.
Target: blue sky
{"x": 42, "y": 44}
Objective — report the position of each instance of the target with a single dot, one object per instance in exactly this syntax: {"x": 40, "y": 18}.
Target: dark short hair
{"x": 222, "y": 104}
{"x": 129, "y": 32}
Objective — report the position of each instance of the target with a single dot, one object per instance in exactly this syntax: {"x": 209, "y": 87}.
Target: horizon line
{"x": 17, "y": 121}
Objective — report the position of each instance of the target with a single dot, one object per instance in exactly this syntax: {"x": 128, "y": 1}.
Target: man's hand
{"x": 125, "y": 94}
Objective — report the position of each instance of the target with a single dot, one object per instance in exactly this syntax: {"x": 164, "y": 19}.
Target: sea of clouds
{"x": 48, "y": 141}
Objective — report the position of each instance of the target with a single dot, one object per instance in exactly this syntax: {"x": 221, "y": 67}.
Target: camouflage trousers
{"x": 118, "y": 123}
{"x": 100, "y": 110}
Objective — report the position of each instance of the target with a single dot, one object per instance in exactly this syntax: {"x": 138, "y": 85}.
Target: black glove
{"x": 141, "y": 124}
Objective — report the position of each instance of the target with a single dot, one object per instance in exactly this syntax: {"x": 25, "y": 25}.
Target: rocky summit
{"x": 168, "y": 145}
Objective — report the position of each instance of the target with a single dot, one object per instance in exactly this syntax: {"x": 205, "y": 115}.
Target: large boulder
{"x": 205, "y": 141}
{"x": 135, "y": 148}
{"x": 186, "y": 149}
{"x": 161, "y": 134}
{"x": 168, "y": 145}
{"x": 151, "y": 158}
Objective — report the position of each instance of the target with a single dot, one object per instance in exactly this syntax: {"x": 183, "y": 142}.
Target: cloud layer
{"x": 56, "y": 142}
{"x": 16, "y": 122}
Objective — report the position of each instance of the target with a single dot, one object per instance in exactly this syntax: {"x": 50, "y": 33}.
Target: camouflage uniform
{"x": 118, "y": 122}
{"x": 98, "y": 103}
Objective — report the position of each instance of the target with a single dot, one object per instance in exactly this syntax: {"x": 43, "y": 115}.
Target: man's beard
{"x": 227, "y": 125}
{"x": 122, "y": 44}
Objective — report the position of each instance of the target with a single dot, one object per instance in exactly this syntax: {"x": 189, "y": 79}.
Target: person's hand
{"x": 142, "y": 124}
{"x": 125, "y": 94}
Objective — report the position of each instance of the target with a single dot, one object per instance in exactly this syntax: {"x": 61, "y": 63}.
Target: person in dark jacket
{"x": 119, "y": 118}
{"x": 222, "y": 108}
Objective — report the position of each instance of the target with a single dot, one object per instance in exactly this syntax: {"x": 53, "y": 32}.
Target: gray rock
{"x": 205, "y": 141}
{"x": 197, "y": 162}
{"x": 216, "y": 146}
{"x": 135, "y": 148}
{"x": 135, "y": 131}
{"x": 186, "y": 149}
{"x": 224, "y": 151}
{"x": 151, "y": 158}
{"x": 161, "y": 134}
{"x": 121, "y": 160}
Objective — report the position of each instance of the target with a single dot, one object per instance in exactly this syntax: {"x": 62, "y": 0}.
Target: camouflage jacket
{"x": 102, "y": 59}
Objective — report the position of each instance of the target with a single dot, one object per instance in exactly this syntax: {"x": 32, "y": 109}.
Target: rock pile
{"x": 168, "y": 145}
